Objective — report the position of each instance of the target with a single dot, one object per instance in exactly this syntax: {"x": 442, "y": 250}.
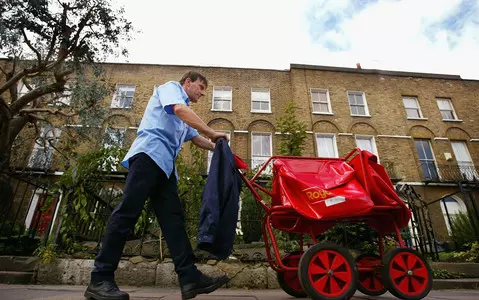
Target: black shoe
{"x": 105, "y": 290}
{"x": 204, "y": 285}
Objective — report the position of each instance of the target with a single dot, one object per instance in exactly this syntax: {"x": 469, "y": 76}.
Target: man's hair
{"x": 194, "y": 76}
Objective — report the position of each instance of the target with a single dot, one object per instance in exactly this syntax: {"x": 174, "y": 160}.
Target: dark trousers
{"x": 145, "y": 179}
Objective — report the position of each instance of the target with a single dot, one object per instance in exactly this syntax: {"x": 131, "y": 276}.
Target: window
{"x": 357, "y": 104}
{"x": 426, "y": 158}
{"x": 320, "y": 100}
{"x": 42, "y": 153}
{"x": 326, "y": 145}
{"x": 262, "y": 149}
{"x": 260, "y": 100}
{"x": 446, "y": 109}
{"x": 451, "y": 207}
{"x": 464, "y": 161}
{"x": 62, "y": 99}
{"x": 113, "y": 138}
{"x": 413, "y": 110}
{"x": 222, "y": 98}
{"x": 366, "y": 142}
{"x": 210, "y": 153}
{"x": 22, "y": 89}
{"x": 123, "y": 96}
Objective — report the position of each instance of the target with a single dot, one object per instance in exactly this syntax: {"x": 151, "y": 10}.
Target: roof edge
{"x": 375, "y": 71}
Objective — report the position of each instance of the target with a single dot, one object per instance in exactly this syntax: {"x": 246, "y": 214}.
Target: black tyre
{"x": 406, "y": 274}
{"x": 370, "y": 282}
{"x": 288, "y": 280}
{"x": 328, "y": 272}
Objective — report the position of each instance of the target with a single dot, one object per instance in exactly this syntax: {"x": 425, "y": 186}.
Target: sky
{"x": 430, "y": 36}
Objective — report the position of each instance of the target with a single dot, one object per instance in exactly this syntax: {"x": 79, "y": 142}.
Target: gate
{"x": 28, "y": 214}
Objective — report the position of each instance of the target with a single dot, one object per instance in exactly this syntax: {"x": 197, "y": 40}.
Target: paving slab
{"x": 67, "y": 292}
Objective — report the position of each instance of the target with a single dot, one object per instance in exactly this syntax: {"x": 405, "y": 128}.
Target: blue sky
{"x": 437, "y": 36}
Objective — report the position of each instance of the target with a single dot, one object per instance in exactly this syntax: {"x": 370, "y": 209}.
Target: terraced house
{"x": 424, "y": 128}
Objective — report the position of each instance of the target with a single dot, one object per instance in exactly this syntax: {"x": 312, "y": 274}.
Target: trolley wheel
{"x": 370, "y": 283}
{"x": 406, "y": 274}
{"x": 288, "y": 280}
{"x": 328, "y": 272}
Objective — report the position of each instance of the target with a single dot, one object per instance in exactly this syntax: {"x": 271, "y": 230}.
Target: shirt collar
{"x": 185, "y": 96}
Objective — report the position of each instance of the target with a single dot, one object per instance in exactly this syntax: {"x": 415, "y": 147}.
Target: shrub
{"x": 462, "y": 230}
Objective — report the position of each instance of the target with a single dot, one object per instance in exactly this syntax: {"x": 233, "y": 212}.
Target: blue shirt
{"x": 161, "y": 133}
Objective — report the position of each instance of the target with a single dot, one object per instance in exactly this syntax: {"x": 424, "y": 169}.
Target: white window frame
{"x": 222, "y": 88}
{"x": 366, "y": 109}
{"x": 462, "y": 208}
{"x": 62, "y": 98}
{"x": 22, "y": 90}
{"x": 335, "y": 145}
{"x": 116, "y": 101}
{"x": 418, "y": 108}
{"x": 316, "y": 90}
{"x": 261, "y": 90}
{"x": 267, "y": 170}
{"x": 42, "y": 146}
{"x": 210, "y": 153}
{"x": 433, "y": 157}
{"x": 368, "y": 137}
{"x": 470, "y": 172}
{"x": 455, "y": 118}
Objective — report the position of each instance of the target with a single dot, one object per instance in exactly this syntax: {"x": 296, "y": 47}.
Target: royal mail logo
{"x": 313, "y": 194}
{"x": 316, "y": 195}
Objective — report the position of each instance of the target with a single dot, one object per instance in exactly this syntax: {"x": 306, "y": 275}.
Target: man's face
{"x": 194, "y": 89}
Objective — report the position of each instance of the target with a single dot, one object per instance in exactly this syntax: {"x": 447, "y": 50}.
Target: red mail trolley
{"x": 309, "y": 195}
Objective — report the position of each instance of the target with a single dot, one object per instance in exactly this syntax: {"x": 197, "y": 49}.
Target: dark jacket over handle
{"x": 219, "y": 210}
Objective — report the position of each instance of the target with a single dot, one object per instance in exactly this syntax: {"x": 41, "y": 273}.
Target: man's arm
{"x": 204, "y": 143}
{"x": 191, "y": 118}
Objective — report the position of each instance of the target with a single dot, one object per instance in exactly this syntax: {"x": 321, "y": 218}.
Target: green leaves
{"x": 293, "y": 132}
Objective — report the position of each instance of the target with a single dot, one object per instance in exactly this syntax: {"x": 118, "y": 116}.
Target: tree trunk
{"x": 6, "y": 189}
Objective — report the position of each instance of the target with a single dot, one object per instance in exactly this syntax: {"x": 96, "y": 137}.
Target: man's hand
{"x": 216, "y": 135}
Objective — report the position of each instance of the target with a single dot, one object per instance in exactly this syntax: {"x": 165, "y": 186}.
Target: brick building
{"x": 423, "y": 127}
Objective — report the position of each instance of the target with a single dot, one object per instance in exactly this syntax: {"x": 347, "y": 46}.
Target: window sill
{"x": 261, "y": 112}
{"x": 417, "y": 119}
{"x": 221, "y": 110}
{"x": 323, "y": 113}
{"x": 455, "y": 120}
{"x": 361, "y": 116}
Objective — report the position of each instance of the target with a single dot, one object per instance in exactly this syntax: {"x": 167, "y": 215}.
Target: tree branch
{"x": 52, "y": 45}
{"x": 27, "y": 41}
{"x": 46, "y": 110}
{"x": 34, "y": 94}
{"x": 3, "y": 71}
{"x": 16, "y": 78}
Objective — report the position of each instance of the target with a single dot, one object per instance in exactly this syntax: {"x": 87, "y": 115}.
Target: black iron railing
{"x": 449, "y": 173}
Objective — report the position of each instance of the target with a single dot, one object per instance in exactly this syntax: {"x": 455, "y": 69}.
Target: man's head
{"x": 195, "y": 85}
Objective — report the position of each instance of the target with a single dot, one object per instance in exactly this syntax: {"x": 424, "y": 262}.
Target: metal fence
{"x": 29, "y": 210}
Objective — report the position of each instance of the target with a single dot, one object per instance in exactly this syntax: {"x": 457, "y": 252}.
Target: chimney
{"x": 358, "y": 66}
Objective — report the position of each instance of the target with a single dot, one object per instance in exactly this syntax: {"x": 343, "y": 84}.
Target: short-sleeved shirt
{"x": 161, "y": 133}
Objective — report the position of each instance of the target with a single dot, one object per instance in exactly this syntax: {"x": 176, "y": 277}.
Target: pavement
{"x": 68, "y": 292}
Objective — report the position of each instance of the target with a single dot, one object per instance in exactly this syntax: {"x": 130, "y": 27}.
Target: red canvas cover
{"x": 319, "y": 188}
{"x": 382, "y": 192}
{"x": 332, "y": 189}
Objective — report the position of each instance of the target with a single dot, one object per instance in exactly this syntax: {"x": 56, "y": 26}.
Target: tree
{"x": 52, "y": 50}
{"x": 293, "y": 132}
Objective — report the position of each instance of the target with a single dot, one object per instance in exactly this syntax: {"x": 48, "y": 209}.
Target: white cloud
{"x": 385, "y": 34}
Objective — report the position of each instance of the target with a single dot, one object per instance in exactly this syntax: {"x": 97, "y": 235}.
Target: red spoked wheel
{"x": 406, "y": 274}
{"x": 328, "y": 272}
{"x": 370, "y": 282}
{"x": 288, "y": 280}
